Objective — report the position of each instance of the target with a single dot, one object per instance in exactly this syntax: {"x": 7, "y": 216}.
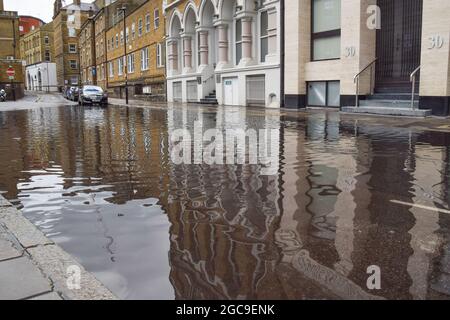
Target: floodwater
{"x": 343, "y": 197}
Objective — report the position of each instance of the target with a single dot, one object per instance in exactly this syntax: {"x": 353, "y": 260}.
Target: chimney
{"x": 1, "y": 5}
{"x": 77, "y": 2}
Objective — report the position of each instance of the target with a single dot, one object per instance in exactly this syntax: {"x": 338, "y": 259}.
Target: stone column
{"x": 223, "y": 43}
{"x": 435, "y": 58}
{"x": 172, "y": 45}
{"x": 187, "y": 51}
{"x": 204, "y": 50}
{"x": 247, "y": 40}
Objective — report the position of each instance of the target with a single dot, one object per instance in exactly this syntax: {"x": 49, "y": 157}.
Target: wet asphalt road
{"x": 347, "y": 193}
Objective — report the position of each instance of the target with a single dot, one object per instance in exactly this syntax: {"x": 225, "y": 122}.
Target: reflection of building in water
{"x": 310, "y": 231}
{"x": 317, "y": 226}
{"x": 223, "y": 220}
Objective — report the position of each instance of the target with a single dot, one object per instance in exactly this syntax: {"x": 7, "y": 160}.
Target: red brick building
{"x": 28, "y": 23}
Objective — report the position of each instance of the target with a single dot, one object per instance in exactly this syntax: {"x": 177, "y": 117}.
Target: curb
{"x": 53, "y": 262}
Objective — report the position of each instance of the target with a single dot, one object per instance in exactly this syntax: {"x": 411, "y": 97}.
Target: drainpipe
{"x": 282, "y": 53}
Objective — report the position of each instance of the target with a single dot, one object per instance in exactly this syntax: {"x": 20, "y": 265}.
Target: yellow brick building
{"x": 145, "y": 43}
{"x": 67, "y": 22}
{"x": 87, "y": 53}
{"x": 9, "y": 34}
{"x": 10, "y": 53}
{"x": 37, "y": 46}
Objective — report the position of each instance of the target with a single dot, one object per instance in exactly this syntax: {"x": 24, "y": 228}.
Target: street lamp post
{"x": 123, "y": 9}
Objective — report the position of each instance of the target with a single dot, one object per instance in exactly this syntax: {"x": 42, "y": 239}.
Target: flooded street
{"x": 345, "y": 195}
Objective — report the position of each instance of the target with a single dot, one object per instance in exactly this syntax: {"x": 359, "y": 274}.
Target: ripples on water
{"x": 101, "y": 184}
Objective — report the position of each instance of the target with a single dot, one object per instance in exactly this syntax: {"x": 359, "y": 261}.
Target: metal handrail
{"x": 211, "y": 77}
{"x": 356, "y": 80}
{"x": 412, "y": 78}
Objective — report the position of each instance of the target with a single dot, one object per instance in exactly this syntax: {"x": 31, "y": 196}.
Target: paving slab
{"x": 57, "y": 263}
{"x": 7, "y": 249}
{"x": 47, "y": 296}
{"x": 4, "y": 203}
{"x": 21, "y": 279}
{"x": 25, "y": 232}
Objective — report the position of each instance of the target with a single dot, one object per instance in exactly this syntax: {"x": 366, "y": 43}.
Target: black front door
{"x": 398, "y": 44}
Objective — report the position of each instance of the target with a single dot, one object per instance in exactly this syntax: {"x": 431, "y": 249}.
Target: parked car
{"x": 73, "y": 94}
{"x": 92, "y": 95}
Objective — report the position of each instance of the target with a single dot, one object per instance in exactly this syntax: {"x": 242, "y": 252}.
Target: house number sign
{"x": 436, "y": 42}
{"x": 349, "y": 52}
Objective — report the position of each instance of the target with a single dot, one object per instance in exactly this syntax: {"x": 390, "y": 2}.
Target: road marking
{"x": 421, "y": 206}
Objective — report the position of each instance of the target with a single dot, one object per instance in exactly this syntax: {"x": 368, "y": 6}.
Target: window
{"x": 72, "y": 32}
{"x": 159, "y": 55}
{"x": 127, "y": 35}
{"x": 326, "y": 29}
{"x": 147, "y": 90}
{"x": 140, "y": 26}
{"x": 238, "y": 41}
{"x": 121, "y": 37}
{"x": 117, "y": 40}
{"x": 74, "y": 80}
{"x": 147, "y": 23}
{"x": 120, "y": 64}
{"x": 156, "y": 14}
{"x": 324, "y": 94}
{"x": 73, "y": 64}
{"x": 111, "y": 69}
{"x": 264, "y": 36}
{"x": 47, "y": 55}
{"x": 130, "y": 64}
{"x": 144, "y": 59}
{"x": 46, "y": 40}
{"x": 133, "y": 31}
{"x": 72, "y": 48}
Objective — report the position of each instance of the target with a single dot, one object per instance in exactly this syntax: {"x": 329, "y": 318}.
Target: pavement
{"x": 33, "y": 267}
{"x": 36, "y": 99}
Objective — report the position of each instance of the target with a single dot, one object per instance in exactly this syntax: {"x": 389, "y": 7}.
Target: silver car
{"x": 92, "y": 95}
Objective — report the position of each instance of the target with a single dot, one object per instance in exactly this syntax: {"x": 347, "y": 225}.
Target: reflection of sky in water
{"x": 133, "y": 234}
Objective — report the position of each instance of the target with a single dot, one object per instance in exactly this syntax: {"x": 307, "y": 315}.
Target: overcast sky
{"x": 42, "y": 9}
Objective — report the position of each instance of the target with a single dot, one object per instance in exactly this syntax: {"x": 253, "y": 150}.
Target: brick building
{"x": 38, "y": 45}
{"x": 10, "y": 53}
{"x": 86, "y": 43}
{"x": 67, "y": 22}
{"x": 144, "y": 43}
{"x": 28, "y": 23}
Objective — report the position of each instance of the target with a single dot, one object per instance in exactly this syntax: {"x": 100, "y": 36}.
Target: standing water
{"x": 344, "y": 197}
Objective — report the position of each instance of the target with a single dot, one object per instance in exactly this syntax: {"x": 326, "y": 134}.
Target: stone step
{"x": 392, "y": 96}
{"x": 407, "y": 112}
{"x": 388, "y": 103}
{"x": 209, "y": 101}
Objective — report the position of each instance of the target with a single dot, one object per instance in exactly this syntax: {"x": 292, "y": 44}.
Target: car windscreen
{"x": 91, "y": 90}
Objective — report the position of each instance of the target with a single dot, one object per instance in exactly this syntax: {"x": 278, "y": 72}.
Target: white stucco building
{"x": 41, "y": 77}
{"x": 227, "y": 50}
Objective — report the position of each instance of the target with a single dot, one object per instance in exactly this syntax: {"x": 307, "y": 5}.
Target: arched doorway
{"x": 189, "y": 41}
{"x": 206, "y": 22}
{"x": 174, "y": 45}
{"x": 39, "y": 81}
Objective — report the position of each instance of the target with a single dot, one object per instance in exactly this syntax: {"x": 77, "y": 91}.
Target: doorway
{"x": 398, "y": 45}
{"x": 230, "y": 91}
